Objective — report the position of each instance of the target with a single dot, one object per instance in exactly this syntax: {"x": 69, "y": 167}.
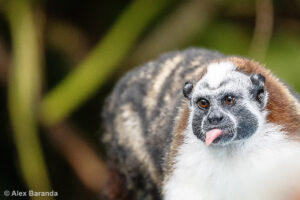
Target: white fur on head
{"x": 221, "y": 76}
{"x": 218, "y": 72}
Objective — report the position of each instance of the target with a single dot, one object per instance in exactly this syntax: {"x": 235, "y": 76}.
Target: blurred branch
{"x": 263, "y": 29}
{"x": 180, "y": 27}
{"x": 5, "y": 59}
{"x": 87, "y": 165}
{"x": 96, "y": 68}
{"x": 69, "y": 38}
{"x": 24, "y": 89}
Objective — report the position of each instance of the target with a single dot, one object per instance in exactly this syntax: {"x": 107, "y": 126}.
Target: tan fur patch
{"x": 150, "y": 101}
{"x": 129, "y": 122}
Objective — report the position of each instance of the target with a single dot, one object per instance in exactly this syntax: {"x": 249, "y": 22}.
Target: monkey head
{"x": 226, "y": 106}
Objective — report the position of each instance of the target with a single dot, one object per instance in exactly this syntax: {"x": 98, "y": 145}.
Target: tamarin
{"x": 199, "y": 125}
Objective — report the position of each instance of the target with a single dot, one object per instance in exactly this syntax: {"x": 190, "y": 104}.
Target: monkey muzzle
{"x": 219, "y": 128}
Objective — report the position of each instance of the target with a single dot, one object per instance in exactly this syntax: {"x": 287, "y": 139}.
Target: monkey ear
{"x": 258, "y": 90}
{"x": 258, "y": 79}
{"x": 187, "y": 90}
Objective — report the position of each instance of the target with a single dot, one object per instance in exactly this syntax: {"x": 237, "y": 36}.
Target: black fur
{"x": 187, "y": 89}
{"x": 258, "y": 89}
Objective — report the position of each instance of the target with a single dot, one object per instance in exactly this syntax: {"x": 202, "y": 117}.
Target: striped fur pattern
{"x": 146, "y": 117}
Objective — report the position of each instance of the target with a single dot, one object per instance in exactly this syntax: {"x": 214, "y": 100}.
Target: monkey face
{"x": 227, "y": 110}
{"x": 227, "y": 118}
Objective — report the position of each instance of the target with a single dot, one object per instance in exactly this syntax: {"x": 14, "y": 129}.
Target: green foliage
{"x": 24, "y": 89}
{"x": 283, "y": 57}
{"x": 96, "y": 68}
{"x": 25, "y": 80}
{"x": 226, "y": 37}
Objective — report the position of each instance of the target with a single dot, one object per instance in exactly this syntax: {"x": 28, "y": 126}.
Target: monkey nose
{"x": 215, "y": 118}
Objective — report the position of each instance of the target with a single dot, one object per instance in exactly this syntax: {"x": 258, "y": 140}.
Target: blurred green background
{"x": 60, "y": 59}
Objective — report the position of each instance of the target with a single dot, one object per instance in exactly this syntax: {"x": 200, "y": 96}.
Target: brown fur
{"x": 178, "y": 139}
{"x": 204, "y": 71}
{"x": 114, "y": 185}
{"x": 281, "y": 104}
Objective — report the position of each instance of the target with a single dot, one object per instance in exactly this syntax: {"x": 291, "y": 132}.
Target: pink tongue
{"x": 212, "y": 135}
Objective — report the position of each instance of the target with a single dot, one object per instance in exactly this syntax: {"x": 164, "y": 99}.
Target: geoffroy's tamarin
{"x": 198, "y": 125}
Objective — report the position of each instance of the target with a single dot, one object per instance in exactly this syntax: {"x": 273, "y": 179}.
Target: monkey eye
{"x": 203, "y": 103}
{"x": 229, "y": 100}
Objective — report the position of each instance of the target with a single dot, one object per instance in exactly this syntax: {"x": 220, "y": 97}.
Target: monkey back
{"x": 139, "y": 118}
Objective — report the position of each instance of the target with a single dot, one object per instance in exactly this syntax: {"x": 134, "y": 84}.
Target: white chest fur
{"x": 265, "y": 167}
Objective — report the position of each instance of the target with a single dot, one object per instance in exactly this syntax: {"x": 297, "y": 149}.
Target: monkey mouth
{"x": 215, "y": 135}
